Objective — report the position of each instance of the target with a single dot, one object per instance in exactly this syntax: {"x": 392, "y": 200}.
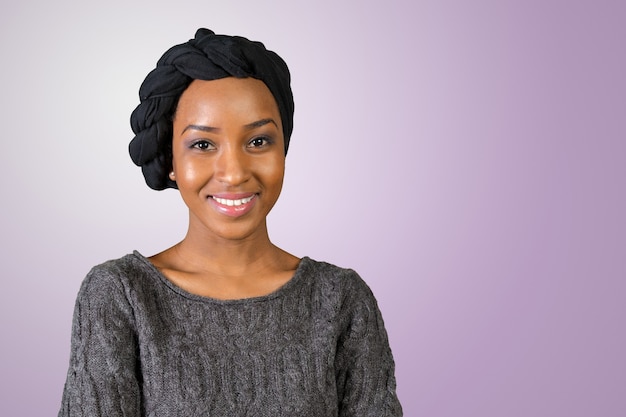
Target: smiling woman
{"x": 228, "y": 151}
{"x": 224, "y": 323}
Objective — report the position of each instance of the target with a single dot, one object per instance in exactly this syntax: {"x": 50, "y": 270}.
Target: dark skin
{"x": 229, "y": 164}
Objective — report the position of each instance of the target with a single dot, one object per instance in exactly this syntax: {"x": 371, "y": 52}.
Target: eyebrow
{"x": 260, "y": 123}
{"x": 248, "y": 126}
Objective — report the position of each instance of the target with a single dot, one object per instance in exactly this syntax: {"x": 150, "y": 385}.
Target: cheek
{"x": 188, "y": 171}
{"x": 274, "y": 174}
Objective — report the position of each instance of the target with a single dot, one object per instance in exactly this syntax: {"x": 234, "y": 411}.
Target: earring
{"x": 172, "y": 175}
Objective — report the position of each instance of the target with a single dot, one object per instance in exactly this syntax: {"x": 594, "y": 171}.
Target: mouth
{"x": 233, "y": 203}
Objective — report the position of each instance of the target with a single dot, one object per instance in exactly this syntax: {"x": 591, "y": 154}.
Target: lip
{"x": 233, "y": 204}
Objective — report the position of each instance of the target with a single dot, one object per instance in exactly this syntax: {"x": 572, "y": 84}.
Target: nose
{"x": 231, "y": 166}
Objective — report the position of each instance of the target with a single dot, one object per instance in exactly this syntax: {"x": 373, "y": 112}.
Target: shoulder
{"x": 127, "y": 264}
{"x": 113, "y": 278}
{"x": 345, "y": 283}
{"x": 333, "y": 274}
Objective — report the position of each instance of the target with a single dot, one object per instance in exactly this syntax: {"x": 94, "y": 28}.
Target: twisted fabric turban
{"x": 206, "y": 57}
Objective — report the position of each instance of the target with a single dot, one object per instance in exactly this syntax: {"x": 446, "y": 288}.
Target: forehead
{"x": 233, "y": 96}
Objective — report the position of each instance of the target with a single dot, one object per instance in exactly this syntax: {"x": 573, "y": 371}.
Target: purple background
{"x": 466, "y": 157}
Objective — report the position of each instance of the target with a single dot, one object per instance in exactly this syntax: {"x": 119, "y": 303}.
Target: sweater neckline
{"x": 286, "y": 287}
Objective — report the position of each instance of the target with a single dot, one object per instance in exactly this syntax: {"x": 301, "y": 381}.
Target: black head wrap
{"x": 206, "y": 57}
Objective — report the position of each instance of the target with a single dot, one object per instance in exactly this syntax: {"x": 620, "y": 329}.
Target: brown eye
{"x": 202, "y": 145}
{"x": 259, "y": 142}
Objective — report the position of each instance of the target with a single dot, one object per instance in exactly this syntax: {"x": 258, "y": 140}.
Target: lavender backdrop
{"x": 466, "y": 157}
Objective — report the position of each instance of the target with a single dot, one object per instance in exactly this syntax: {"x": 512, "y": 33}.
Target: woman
{"x": 224, "y": 323}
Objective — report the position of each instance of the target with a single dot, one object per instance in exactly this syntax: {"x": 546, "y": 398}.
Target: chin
{"x": 239, "y": 232}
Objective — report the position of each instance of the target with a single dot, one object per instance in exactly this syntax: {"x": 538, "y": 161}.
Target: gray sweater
{"x": 141, "y": 346}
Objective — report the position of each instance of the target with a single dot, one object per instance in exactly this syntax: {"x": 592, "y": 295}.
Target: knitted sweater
{"x": 141, "y": 346}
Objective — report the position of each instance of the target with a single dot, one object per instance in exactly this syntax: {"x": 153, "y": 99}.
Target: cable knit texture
{"x": 142, "y": 346}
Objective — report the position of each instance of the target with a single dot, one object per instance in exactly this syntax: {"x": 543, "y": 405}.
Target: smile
{"x": 234, "y": 203}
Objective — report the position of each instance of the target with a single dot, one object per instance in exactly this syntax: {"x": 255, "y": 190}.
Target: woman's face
{"x": 228, "y": 155}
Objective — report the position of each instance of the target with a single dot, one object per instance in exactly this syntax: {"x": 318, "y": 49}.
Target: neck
{"x": 228, "y": 257}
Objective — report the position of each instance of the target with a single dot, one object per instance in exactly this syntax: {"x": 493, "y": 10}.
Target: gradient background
{"x": 466, "y": 157}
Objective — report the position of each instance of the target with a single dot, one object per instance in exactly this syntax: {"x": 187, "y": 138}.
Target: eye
{"x": 203, "y": 145}
{"x": 259, "y": 142}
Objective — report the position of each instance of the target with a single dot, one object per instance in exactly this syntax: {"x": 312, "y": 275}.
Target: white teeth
{"x": 239, "y": 202}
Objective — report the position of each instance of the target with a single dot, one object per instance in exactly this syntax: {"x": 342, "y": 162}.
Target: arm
{"x": 102, "y": 378}
{"x": 366, "y": 384}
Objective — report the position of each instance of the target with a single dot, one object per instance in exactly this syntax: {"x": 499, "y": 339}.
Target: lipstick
{"x": 233, "y": 205}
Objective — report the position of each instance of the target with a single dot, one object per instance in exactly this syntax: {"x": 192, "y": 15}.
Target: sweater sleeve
{"x": 365, "y": 369}
{"x": 102, "y": 378}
